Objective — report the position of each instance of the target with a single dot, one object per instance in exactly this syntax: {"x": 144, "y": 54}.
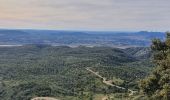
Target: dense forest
{"x": 59, "y": 71}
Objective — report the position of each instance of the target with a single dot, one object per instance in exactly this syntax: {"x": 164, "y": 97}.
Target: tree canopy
{"x": 157, "y": 85}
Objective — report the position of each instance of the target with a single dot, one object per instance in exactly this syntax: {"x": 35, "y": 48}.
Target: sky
{"x": 112, "y": 15}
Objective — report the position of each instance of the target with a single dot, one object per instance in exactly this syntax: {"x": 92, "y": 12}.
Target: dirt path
{"x": 44, "y": 98}
{"x": 109, "y": 82}
{"x": 105, "y": 98}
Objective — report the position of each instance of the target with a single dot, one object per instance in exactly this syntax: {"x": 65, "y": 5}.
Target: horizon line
{"x": 79, "y": 30}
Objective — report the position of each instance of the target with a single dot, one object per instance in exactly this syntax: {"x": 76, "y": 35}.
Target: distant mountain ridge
{"x": 77, "y": 38}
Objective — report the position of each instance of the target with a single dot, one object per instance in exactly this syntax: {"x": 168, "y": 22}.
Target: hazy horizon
{"x": 81, "y": 30}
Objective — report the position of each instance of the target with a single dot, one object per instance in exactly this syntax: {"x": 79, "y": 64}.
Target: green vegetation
{"x": 42, "y": 70}
{"x": 157, "y": 84}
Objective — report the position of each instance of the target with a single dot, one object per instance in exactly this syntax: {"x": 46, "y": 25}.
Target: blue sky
{"x": 116, "y": 15}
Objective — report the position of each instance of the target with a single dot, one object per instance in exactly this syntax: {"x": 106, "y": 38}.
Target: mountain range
{"x": 77, "y": 38}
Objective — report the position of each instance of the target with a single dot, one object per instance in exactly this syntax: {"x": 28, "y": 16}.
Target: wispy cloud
{"x": 86, "y": 14}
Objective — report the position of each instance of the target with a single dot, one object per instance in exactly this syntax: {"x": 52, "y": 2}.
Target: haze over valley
{"x": 78, "y": 38}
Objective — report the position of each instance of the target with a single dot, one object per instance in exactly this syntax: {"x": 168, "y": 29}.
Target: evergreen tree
{"x": 157, "y": 85}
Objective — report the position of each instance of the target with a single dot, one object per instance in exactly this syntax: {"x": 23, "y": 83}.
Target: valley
{"x": 84, "y": 50}
{"x": 63, "y": 72}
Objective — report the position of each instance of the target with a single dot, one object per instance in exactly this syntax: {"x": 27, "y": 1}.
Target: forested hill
{"x": 76, "y": 38}
{"x": 60, "y": 71}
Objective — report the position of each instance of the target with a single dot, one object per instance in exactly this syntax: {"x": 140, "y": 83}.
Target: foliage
{"x": 42, "y": 70}
{"x": 157, "y": 85}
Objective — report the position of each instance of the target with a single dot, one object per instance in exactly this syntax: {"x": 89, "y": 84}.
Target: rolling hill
{"x": 77, "y": 38}
{"x": 50, "y": 63}
{"x": 46, "y": 71}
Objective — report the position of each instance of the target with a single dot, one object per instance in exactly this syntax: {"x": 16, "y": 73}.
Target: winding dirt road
{"x": 110, "y": 82}
{"x": 44, "y": 98}
{"x": 104, "y": 81}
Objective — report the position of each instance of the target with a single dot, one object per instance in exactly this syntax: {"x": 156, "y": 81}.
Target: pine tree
{"x": 157, "y": 85}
